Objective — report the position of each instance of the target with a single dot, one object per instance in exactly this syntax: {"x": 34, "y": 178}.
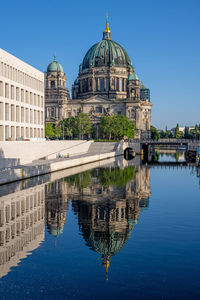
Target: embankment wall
{"x": 21, "y": 152}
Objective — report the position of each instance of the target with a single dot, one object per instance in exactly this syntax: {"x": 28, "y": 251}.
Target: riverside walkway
{"x": 96, "y": 152}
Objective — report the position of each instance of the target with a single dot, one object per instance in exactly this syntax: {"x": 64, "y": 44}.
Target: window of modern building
{"x": 31, "y": 116}
{"x": 17, "y": 93}
{"x": 17, "y": 114}
{"x": 27, "y": 132}
{"x": 1, "y": 110}
{"x": 35, "y": 117}
{"x": 6, "y": 132}
{"x": 38, "y": 118}
{"x": 31, "y": 98}
{"x": 12, "y": 92}
{"x": 42, "y": 118}
{"x": 22, "y": 95}
{"x": 17, "y": 132}
{"x": 22, "y": 132}
{"x": 1, "y": 68}
{"x": 27, "y": 97}
{"x": 12, "y": 132}
{"x": 12, "y": 112}
{"x": 27, "y": 115}
{"x": 7, "y": 112}
{"x": 22, "y": 114}
{"x": 1, "y": 132}
{"x": 1, "y": 89}
{"x": 6, "y": 90}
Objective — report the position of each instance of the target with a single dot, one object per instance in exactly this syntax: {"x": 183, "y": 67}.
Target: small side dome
{"x": 55, "y": 231}
{"x": 133, "y": 77}
{"x": 55, "y": 66}
{"x": 76, "y": 81}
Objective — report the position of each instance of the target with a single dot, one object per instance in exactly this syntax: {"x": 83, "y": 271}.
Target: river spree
{"x": 113, "y": 229}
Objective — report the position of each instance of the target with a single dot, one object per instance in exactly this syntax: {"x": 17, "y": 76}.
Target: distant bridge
{"x": 169, "y": 164}
{"x": 188, "y": 144}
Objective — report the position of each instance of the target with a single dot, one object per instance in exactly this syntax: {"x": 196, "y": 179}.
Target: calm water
{"x": 114, "y": 229}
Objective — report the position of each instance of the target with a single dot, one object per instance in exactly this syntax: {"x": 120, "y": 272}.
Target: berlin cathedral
{"x": 106, "y": 85}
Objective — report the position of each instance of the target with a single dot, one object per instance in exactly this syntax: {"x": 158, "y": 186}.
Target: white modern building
{"x": 21, "y": 99}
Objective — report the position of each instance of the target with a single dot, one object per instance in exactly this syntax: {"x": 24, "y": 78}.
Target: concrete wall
{"x": 25, "y": 152}
{"x": 28, "y": 171}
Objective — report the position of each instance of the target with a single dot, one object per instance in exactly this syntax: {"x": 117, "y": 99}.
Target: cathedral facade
{"x": 106, "y": 85}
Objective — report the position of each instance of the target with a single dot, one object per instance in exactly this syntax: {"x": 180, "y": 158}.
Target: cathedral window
{"x": 107, "y": 84}
{"x": 53, "y": 84}
{"x": 102, "y": 84}
{"x": 52, "y": 112}
{"x": 120, "y": 84}
{"x": 133, "y": 115}
{"x": 96, "y": 81}
{"x": 99, "y": 109}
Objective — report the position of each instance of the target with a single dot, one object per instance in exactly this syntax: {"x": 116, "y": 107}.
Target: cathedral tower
{"x": 56, "y": 93}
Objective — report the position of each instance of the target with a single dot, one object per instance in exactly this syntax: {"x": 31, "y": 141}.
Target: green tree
{"x": 154, "y": 133}
{"x": 197, "y": 131}
{"x": 49, "y": 130}
{"x": 68, "y": 125}
{"x": 82, "y": 125}
{"x": 105, "y": 127}
{"x": 58, "y": 131}
{"x": 115, "y": 127}
{"x": 162, "y": 134}
{"x": 81, "y": 180}
{"x": 178, "y": 133}
{"x": 116, "y": 176}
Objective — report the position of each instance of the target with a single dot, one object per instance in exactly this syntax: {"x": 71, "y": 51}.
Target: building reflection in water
{"x": 109, "y": 206}
{"x": 107, "y": 202}
{"x": 56, "y": 205}
{"x": 21, "y": 225}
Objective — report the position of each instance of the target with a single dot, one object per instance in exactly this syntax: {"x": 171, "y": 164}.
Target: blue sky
{"x": 161, "y": 37}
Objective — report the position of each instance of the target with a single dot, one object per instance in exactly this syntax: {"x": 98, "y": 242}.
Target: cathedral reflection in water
{"x": 107, "y": 202}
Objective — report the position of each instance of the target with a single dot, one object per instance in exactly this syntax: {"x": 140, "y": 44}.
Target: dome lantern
{"x": 107, "y": 32}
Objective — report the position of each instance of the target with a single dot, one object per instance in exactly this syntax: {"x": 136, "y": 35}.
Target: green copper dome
{"x": 54, "y": 66}
{"x": 106, "y": 53}
{"x": 133, "y": 77}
